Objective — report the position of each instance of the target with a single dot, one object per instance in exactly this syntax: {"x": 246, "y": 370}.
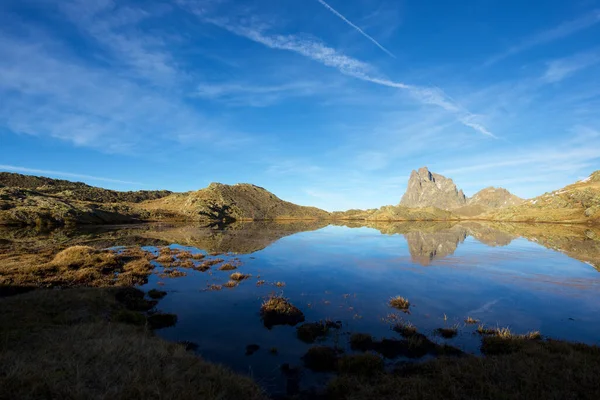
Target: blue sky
{"x": 325, "y": 103}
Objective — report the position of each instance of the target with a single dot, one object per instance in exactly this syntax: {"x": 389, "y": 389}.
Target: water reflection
{"x": 427, "y": 241}
{"x": 501, "y": 274}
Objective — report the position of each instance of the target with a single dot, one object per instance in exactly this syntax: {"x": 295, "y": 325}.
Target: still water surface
{"x": 503, "y": 275}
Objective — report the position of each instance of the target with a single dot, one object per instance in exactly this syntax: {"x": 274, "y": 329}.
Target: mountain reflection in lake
{"x": 525, "y": 276}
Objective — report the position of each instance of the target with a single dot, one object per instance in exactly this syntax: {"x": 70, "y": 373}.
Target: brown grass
{"x": 172, "y": 273}
{"x": 185, "y": 263}
{"x": 447, "y": 333}
{"x": 538, "y": 370}
{"x": 215, "y": 287}
{"x": 400, "y": 303}
{"x": 59, "y": 344}
{"x": 471, "y": 321}
{"x": 260, "y": 283}
{"x": 405, "y": 329}
{"x": 277, "y": 310}
{"x": 364, "y": 365}
{"x": 238, "y": 276}
{"x": 231, "y": 284}
{"x": 279, "y": 284}
{"x": 165, "y": 259}
{"x": 227, "y": 267}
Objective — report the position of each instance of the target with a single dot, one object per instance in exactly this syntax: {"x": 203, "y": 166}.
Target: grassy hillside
{"x": 579, "y": 202}
{"x": 241, "y": 202}
{"x": 76, "y": 190}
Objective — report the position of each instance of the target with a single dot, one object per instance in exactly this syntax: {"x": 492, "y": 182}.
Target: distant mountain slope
{"x": 219, "y": 202}
{"x": 395, "y": 213}
{"x": 76, "y": 190}
{"x": 578, "y": 202}
{"x": 27, "y": 207}
{"x": 428, "y": 189}
{"x": 492, "y": 197}
{"x": 488, "y": 199}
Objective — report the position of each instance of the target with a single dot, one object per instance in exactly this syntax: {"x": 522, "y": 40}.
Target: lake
{"x": 523, "y": 276}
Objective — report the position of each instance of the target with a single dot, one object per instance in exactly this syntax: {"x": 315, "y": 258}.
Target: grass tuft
{"x": 227, "y": 267}
{"x": 447, "y": 333}
{"x": 405, "y": 329}
{"x": 321, "y": 359}
{"x": 311, "y": 331}
{"x": 471, "y": 321}
{"x": 400, "y": 303}
{"x": 238, "y": 276}
{"x": 277, "y": 310}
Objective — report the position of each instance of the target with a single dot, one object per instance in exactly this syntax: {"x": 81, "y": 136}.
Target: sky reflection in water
{"x": 349, "y": 274}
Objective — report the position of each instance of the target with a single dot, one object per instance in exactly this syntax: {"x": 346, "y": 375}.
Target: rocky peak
{"x": 428, "y": 189}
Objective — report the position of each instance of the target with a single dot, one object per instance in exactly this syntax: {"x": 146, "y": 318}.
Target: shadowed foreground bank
{"x": 93, "y": 343}
{"x": 85, "y": 344}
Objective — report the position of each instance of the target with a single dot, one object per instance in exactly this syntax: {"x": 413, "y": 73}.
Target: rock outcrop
{"x": 428, "y": 189}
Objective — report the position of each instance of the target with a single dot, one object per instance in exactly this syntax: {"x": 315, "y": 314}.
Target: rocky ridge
{"x": 428, "y": 189}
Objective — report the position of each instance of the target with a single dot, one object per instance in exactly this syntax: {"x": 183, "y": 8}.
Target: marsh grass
{"x": 400, "y": 303}
{"x": 471, "y": 321}
{"x": 361, "y": 341}
{"x": 405, "y": 329}
{"x": 172, "y": 273}
{"x": 227, "y": 267}
{"x": 210, "y": 263}
{"x": 185, "y": 263}
{"x": 538, "y": 370}
{"x": 279, "y": 284}
{"x": 69, "y": 344}
{"x": 447, "y": 332}
{"x": 312, "y": 331}
{"x": 363, "y": 365}
{"x": 231, "y": 284}
{"x": 321, "y": 358}
{"x": 215, "y": 287}
{"x": 76, "y": 266}
{"x": 165, "y": 259}
{"x": 238, "y": 276}
{"x": 277, "y": 310}
{"x": 416, "y": 345}
{"x": 260, "y": 282}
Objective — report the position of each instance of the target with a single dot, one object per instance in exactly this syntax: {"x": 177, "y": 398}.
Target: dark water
{"x": 526, "y": 277}
{"x": 349, "y": 274}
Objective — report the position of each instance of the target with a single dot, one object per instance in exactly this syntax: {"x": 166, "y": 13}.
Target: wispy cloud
{"x": 253, "y": 95}
{"x": 563, "y": 30}
{"x": 375, "y": 42}
{"x": 46, "y": 172}
{"x": 122, "y": 97}
{"x": 317, "y": 51}
{"x": 563, "y": 68}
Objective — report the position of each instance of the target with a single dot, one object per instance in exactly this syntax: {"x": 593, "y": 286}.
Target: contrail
{"x": 327, "y": 6}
